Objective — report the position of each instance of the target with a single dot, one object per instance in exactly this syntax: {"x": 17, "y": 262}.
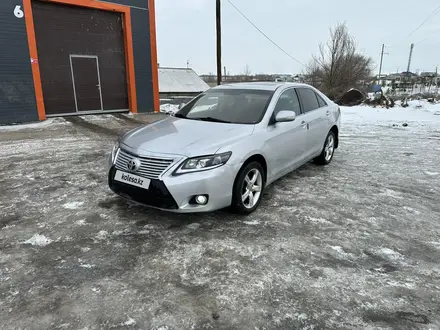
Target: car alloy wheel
{"x": 329, "y": 148}
{"x": 251, "y": 189}
{"x": 248, "y": 189}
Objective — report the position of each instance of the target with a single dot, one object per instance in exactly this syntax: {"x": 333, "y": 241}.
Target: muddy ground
{"x": 352, "y": 245}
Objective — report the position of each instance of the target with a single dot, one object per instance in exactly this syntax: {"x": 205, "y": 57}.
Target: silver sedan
{"x": 224, "y": 147}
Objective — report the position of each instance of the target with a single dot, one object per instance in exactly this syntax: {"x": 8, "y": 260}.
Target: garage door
{"x": 82, "y": 58}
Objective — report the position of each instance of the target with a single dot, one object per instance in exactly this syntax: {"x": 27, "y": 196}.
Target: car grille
{"x": 157, "y": 195}
{"x": 150, "y": 168}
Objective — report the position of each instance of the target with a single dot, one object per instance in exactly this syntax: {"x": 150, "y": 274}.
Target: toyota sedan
{"x": 224, "y": 147}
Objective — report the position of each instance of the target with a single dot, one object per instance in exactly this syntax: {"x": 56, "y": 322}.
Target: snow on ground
{"x": 51, "y": 123}
{"x": 419, "y": 113}
{"x": 169, "y": 108}
{"x": 38, "y": 240}
{"x": 351, "y": 245}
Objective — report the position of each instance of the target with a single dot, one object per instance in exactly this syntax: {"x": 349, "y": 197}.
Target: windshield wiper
{"x": 215, "y": 120}
{"x": 179, "y": 115}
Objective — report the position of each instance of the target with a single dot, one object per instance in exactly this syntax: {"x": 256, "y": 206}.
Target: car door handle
{"x": 303, "y": 124}
{"x": 327, "y": 112}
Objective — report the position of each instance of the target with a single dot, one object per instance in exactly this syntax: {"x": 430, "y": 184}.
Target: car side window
{"x": 288, "y": 101}
{"x": 308, "y": 99}
{"x": 321, "y": 101}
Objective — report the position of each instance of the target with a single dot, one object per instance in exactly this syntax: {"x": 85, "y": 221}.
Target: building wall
{"x": 140, "y": 21}
{"x": 17, "y": 94}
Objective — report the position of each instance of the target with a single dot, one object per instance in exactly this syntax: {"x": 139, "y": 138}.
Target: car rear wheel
{"x": 248, "y": 189}
{"x": 328, "y": 151}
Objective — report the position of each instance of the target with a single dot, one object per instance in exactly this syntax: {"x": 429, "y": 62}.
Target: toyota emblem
{"x": 134, "y": 164}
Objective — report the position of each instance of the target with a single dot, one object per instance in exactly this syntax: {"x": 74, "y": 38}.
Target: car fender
{"x": 244, "y": 149}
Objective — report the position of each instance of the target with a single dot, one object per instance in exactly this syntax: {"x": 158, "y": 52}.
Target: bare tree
{"x": 338, "y": 66}
{"x": 247, "y": 71}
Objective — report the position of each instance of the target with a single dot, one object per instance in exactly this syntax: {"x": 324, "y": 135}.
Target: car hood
{"x": 184, "y": 137}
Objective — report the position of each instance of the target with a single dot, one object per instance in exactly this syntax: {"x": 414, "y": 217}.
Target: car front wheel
{"x": 248, "y": 189}
{"x": 328, "y": 151}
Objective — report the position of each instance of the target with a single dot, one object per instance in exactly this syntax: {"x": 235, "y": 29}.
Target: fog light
{"x": 201, "y": 200}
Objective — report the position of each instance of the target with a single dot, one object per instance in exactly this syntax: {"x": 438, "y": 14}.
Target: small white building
{"x": 174, "y": 82}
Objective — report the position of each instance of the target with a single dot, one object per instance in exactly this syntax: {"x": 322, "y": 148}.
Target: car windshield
{"x": 237, "y": 106}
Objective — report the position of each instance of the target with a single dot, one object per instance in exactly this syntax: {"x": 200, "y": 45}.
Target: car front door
{"x": 286, "y": 141}
{"x": 316, "y": 120}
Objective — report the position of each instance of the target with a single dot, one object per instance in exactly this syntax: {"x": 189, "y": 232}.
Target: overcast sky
{"x": 186, "y": 31}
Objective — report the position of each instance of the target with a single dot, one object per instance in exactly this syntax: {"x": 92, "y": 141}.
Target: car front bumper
{"x": 176, "y": 193}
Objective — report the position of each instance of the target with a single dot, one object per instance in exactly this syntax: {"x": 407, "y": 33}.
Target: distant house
{"x": 180, "y": 82}
{"x": 283, "y": 78}
{"x": 429, "y": 74}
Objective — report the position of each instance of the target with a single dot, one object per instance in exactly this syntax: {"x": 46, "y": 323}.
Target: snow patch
{"x": 81, "y": 222}
{"x": 102, "y": 235}
{"x": 88, "y": 266}
{"x": 169, "y": 108}
{"x": 317, "y": 220}
{"x": 338, "y": 249}
{"x": 44, "y": 124}
{"x": 38, "y": 240}
{"x": 391, "y": 193}
{"x": 410, "y": 209}
{"x": 85, "y": 249}
{"x": 400, "y": 284}
{"x": 84, "y": 265}
{"x": 73, "y": 205}
{"x": 431, "y": 173}
{"x": 390, "y": 253}
{"x": 193, "y": 226}
{"x": 129, "y": 322}
{"x": 252, "y": 222}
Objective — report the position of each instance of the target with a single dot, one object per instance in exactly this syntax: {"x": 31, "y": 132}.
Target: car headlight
{"x": 203, "y": 163}
{"x": 114, "y": 151}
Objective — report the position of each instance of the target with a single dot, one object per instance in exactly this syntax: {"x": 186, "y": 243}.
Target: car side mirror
{"x": 285, "y": 116}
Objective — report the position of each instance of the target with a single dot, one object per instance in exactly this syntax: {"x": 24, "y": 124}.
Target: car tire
{"x": 246, "y": 184}
{"x": 328, "y": 150}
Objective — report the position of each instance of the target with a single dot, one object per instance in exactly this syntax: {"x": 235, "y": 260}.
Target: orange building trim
{"x": 154, "y": 65}
{"x": 34, "y": 59}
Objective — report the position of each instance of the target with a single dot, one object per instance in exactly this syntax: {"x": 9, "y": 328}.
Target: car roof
{"x": 268, "y": 86}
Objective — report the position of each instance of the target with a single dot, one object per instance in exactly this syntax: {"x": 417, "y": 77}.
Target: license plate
{"x": 132, "y": 179}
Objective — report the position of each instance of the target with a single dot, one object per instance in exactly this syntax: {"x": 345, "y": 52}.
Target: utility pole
{"x": 410, "y": 57}
{"x": 436, "y": 79}
{"x": 219, "y": 42}
{"x": 381, "y": 61}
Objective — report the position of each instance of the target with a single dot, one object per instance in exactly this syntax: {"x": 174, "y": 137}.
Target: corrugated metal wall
{"x": 17, "y": 95}
{"x": 140, "y": 21}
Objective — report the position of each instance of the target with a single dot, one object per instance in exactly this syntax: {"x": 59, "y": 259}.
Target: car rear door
{"x": 315, "y": 118}
{"x": 286, "y": 142}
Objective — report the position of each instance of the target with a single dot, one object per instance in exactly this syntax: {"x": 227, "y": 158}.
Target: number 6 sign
{"x": 18, "y": 12}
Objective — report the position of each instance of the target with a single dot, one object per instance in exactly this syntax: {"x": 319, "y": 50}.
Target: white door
{"x": 86, "y": 82}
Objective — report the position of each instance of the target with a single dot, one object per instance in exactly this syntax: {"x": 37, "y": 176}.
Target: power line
{"x": 435, "y": 12}
{"x": 428, "y": 36}
{"x": 264, "y": 34}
